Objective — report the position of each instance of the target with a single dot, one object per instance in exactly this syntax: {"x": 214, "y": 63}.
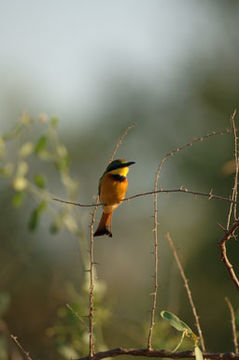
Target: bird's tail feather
{"x": 104, "y": 225}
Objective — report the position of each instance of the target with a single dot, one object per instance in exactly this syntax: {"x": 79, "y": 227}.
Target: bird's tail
{"x": 104, "y": 225}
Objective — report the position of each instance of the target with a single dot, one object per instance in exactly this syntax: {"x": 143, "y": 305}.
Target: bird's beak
{"x": 129, "y": 163}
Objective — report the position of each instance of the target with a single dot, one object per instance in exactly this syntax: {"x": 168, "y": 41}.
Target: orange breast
{"x": 112, "y": 192}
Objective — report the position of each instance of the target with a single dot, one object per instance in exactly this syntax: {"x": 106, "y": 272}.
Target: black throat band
{"x": 118, "y": 177}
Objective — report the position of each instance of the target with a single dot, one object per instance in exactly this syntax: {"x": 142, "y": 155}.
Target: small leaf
{"x": 26, "y": 149}
{"x": 42, "y": 206}
{"x": 54, "y": 122}
{"x": 7, "y": 170}
{"x": 22, "y": 169}
{"x": 198, "y": 353}
{"x": 34, "y": 220}
{"x": 175, "y": 321}
{"x": 57, "y": 224}
{"x": 55, "y": 228}
{"x": 70, "y": 223}
{"x": 62, "y": 164}
{"x": 2, "y": 146}
{"x": 18, "y": 198}
{"x": 41, "y": 145}
{"x": 35, "y": 215}
{"x": 61, "y": 151}
{"x": 39, "y": 181}
{"x": 19, "y": 183}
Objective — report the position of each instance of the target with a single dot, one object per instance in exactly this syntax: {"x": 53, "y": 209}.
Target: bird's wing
{"x": 99, "y": 186}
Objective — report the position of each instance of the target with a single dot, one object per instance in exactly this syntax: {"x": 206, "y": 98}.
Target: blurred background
{"x": 170, "y": 67}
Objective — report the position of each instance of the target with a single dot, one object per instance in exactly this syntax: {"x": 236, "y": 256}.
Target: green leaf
{"x": 39, "y": 181}
{"x": 198, "y": 353}
{"x": 19, "y": 183}
{"x": 35, "y": 216}
{"x": 57, "y": 224}
{"x": 26, "y": 149}
{"x": 54, "y": 122}
{"x": 42, "y": 206}
{"x": 55, "y": 228}
{"x": 34, "y": 220}
{"x": 41, "y": 144}
{"x": 7, "y": 169}
{"x": 2, "y": 146}
{"x": 18, "y": 198}
{"x": 175, "y": 322}
{"x": 62, "y": 164}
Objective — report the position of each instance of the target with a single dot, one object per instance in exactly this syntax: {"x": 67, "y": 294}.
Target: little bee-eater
{"x": 112, "y": 189}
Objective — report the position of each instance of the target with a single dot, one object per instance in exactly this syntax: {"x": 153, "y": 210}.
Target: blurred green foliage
{"x": 17, "y": 157}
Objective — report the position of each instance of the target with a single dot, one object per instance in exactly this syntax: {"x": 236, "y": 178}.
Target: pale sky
{"x": 61, "y": 53}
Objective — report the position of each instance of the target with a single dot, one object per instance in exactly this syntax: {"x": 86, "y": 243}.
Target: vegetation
{"x": 32, "y": 159}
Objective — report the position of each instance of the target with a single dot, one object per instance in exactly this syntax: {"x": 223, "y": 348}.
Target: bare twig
{"x": 228, "y": 234}
{"x": 191, "y": 143}
{"x": 233, "y": 321}
{"x": 92, "y": 285}
{"x": 234, "y": 190}
{"x": 185, "y": 280}
{"x": 92, "y": 262}
{"x": 155, "y": 228}
{"x": 209, "y": 195}
{"x": 121, "y": 140}
{"x": 155, "y": 292}
{"x": 236, "y": 162}
{"x": 15, "y": 339}
{"x": 160, "y": 354}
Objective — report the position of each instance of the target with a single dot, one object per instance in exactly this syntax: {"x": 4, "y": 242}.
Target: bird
{"x": 112, "y": 189}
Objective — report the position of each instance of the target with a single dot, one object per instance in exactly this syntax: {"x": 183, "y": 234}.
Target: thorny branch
{"x": 155, "y": 232}
{"x": 92, "y": 262}
{"x": 92, "y": 286}
{"x": 160, "y": 354}
{"x": 228, "y": 234}
{"x": 169, "y": 154}
{"x": 149, "y": 352}
{"x": 234, "y": 190}
{"x": 185, "y": 280}
{"x": 121, "y": 140}
{"x": 209, "y": 195}
{"x": 27, "y": 355}
{"x": 233, "y": 321}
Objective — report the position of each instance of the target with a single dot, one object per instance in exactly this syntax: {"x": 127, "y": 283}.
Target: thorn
{"x": 210, "y": 195}
{"x": 222, "y": 227}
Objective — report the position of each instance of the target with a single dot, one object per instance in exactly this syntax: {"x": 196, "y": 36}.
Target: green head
{"x": 119, "y": 166}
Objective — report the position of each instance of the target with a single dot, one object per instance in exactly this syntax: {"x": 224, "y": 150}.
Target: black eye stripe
{"x": 118, "y": 177}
